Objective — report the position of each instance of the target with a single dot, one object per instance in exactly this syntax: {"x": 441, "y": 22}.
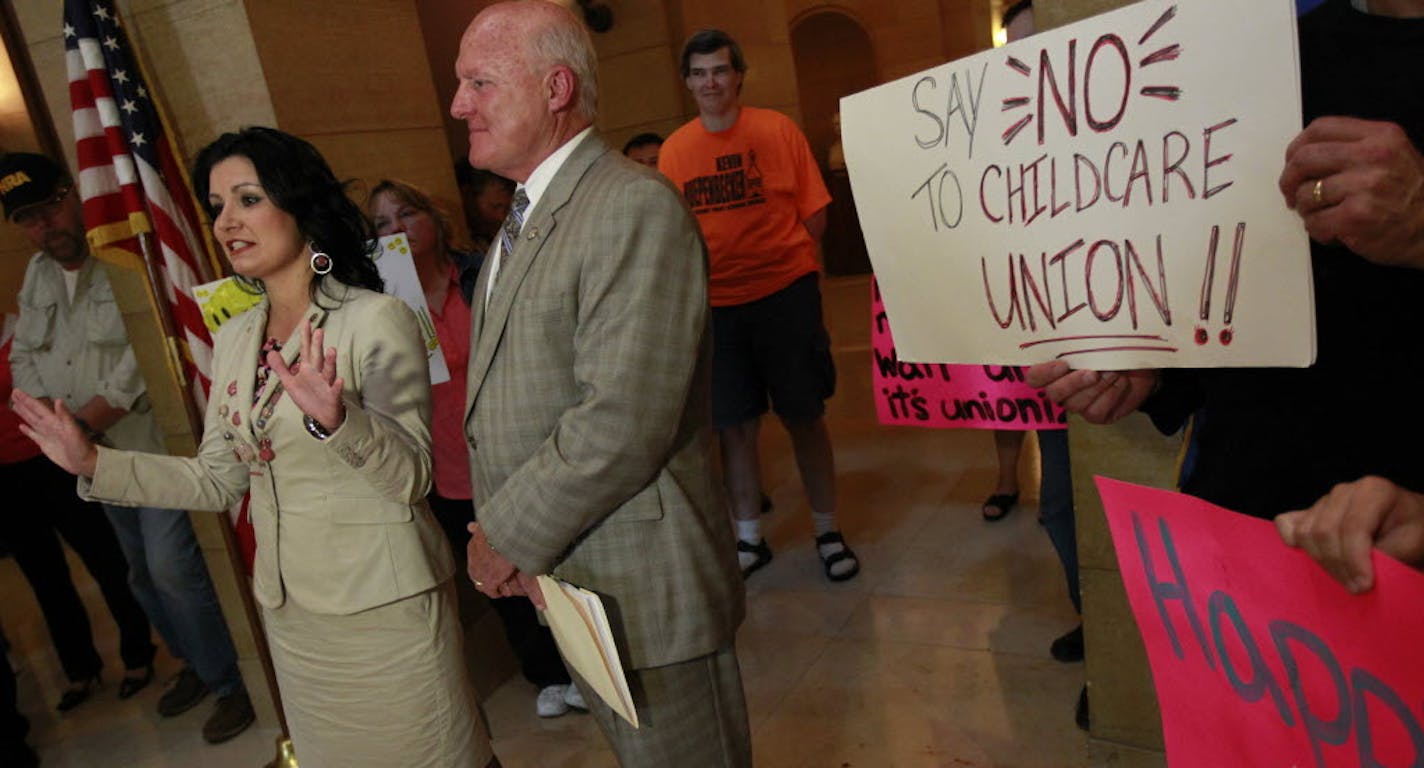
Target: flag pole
{"x": 174, "y": 354}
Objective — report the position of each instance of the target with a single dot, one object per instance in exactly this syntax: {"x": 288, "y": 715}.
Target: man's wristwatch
{"x": 95, "y": 436}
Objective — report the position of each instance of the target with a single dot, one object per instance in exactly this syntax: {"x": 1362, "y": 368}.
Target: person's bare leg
{"x": 1008, "y": 444}
{"x": 741, "y": 480}
{"x": 816, "y": 461}
{"x": 741, "y": 469}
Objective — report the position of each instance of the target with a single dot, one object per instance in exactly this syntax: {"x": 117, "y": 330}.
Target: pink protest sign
{"x": 1259, "y": 657}
{"x": 946, "y": 396}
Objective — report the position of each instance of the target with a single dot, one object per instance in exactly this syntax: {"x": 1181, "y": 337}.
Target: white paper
{"x": 1182, "y": 110}
{"x": 580, "y": 627}
{"x": 397, "y": 268}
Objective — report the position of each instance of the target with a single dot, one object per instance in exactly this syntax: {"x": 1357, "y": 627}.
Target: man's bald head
{"x": 528, "y": 84}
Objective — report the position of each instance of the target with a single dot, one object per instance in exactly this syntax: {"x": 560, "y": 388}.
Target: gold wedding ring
{"x": 1318, "y": 193}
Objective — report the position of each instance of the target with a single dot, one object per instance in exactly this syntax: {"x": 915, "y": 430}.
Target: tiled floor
{"x": 937, "y": 655}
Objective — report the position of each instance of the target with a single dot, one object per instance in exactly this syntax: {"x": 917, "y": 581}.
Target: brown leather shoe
{"x": 231, "y": 716}
{"x": 184, "y": 693}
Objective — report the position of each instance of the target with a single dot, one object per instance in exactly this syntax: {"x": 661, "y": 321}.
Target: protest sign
{"x": 946, "y": 396}
{"x": 397, "y": 269}
{"x": 1258, "y": 656}
{"x": 1104, "y": 193}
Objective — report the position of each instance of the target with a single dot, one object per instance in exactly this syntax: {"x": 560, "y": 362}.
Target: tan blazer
{"x": 341, "y": 524}
{"x": 588, "y": 413}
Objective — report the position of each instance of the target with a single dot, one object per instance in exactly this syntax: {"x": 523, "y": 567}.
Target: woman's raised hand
{"x": 314, "y": 386}
{"x": 56, "y": 432}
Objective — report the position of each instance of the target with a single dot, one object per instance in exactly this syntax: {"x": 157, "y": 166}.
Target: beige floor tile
{"x": 883, "y": 703}
{"x": 521, "y": 738}
{"x": 785, "y": 612}
{"x": 773, "y": 665}
{"x": 976, "y": 626}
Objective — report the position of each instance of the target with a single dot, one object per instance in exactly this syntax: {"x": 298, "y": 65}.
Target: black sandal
{"x": 1004, "y": 502}
{"x": 845, "y": 553}
{"x": 760, "y": 550}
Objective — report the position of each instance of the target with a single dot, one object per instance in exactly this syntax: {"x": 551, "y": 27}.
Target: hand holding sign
{"x": 1341, "y": 528}
{"x": 1258, "y": 657}
{"x": 1370, "y": 182}
{"x": 1099, "y": 397}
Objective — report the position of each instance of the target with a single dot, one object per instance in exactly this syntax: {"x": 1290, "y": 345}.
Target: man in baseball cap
{"x": 37, "y": 194}
{"x": 70, "y": 345}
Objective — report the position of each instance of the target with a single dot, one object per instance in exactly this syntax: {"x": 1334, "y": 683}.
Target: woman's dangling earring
{"x": 320, "y": 262}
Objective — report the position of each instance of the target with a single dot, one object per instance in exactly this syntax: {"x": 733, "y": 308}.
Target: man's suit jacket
{"x": 588, "y": 413}
{"x": 341, "y": 523}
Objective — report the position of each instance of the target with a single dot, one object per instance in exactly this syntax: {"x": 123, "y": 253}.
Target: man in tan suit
{"x": 588, "y": 417}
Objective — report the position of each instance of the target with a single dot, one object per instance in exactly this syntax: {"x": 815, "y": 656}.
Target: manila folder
{"x": 580, "y": 627}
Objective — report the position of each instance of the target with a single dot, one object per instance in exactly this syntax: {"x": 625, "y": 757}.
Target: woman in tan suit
{"x": 321, "y": 409}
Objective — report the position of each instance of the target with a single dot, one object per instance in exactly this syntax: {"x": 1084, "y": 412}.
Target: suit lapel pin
{"x": 533, "y": 233}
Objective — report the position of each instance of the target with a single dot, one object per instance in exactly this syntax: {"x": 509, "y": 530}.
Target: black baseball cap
{"x": 27, "y": 179}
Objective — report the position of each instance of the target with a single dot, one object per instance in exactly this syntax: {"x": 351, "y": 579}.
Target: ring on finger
{"x": 1317, "y": 193}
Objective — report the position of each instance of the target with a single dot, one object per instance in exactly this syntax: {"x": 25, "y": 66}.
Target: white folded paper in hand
{"x": 580, "y": 627}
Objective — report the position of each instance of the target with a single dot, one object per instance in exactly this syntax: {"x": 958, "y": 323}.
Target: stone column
{"x": 1126, "y": 723}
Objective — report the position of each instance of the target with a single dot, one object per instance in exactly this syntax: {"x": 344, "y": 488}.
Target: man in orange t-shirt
{"x": 751, "y": 180}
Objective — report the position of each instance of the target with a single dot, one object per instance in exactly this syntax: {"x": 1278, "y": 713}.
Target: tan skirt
{"x": 384, "y": 687}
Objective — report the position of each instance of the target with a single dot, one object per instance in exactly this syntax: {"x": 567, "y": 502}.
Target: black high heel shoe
{"x": 77, "y": 693}
{"x": 129, "y": 685}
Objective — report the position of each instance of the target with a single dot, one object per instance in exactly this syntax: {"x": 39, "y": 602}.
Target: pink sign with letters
{"x": 946, "y": 396}
{"x": 1259, "y": 657}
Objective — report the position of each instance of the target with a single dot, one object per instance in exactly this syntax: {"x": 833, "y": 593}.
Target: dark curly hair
{"x": 298, "y": 181}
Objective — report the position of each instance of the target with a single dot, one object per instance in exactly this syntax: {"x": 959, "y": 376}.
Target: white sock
{"x": 749, "y": 531}
{"x": 825, "y": 524}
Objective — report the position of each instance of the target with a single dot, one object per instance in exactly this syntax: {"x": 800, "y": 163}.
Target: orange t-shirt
{"x": 751, "y": 186}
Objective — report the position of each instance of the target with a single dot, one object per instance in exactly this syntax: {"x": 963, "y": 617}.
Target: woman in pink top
{"x": 447, "y": 277}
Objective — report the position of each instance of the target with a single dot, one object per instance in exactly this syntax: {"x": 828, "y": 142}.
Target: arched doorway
{"x": 834, "y": 57}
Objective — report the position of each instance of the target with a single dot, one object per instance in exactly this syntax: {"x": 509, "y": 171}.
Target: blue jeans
{"x": 168, "y": 576}
{"x": 1055, "y": 505}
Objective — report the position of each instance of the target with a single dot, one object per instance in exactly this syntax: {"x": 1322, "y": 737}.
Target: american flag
{"x": 129, "y": 179}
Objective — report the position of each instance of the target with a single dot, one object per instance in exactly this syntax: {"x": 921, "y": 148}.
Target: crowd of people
{"x": 371, "y": 490}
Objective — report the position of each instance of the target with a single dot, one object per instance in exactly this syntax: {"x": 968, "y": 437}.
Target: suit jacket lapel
{"x": 489, "y": 321}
